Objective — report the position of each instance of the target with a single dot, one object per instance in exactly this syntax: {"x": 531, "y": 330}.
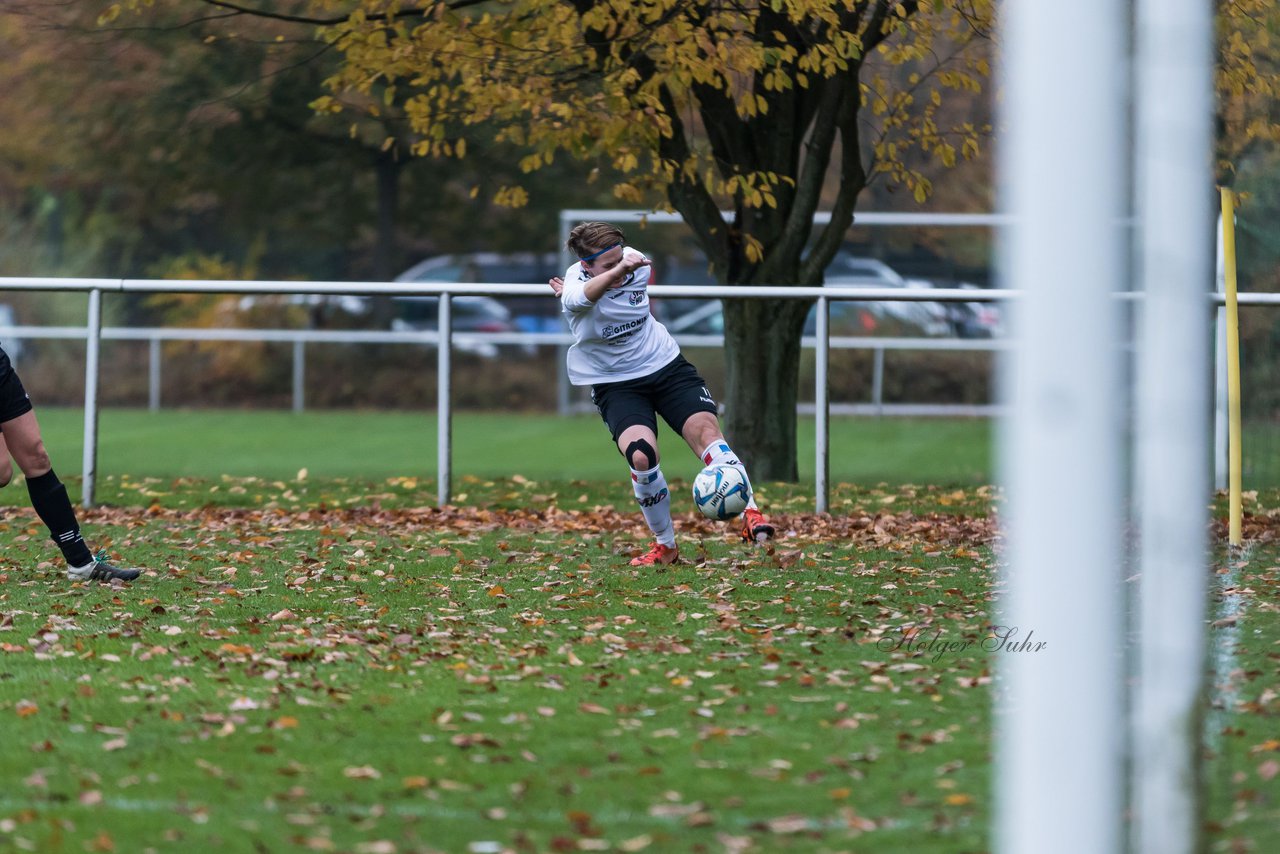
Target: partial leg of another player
{"x": 49, "y": 498}
{"x": 702, "y": 432}
{"x": 6, "y": 464}
{"x": 639, "y": 444}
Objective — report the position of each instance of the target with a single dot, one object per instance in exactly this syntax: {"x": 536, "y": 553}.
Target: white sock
{"x": 718, "y": 453}
{"x": 654, "y": 499}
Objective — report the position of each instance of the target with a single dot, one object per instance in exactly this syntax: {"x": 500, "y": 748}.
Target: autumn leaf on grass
{"x": 26, "y": 708}
{"x": 788, "y": 824}
{"x": 363, "y": 772}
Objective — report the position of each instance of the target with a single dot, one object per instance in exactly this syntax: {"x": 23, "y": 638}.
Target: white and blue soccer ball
{"x": 721, "y": 492}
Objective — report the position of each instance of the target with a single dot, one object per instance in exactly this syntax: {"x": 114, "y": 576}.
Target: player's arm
{"x": 577, "y": 295}
{"x": 615, "y": 276}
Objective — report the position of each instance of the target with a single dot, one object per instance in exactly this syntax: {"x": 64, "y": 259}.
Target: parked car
{"x": 975, "y": 319}
{"x": 529, "y": 313}
{"x": 469, "y": 314}
{"x": 479, "y": 313}
{"x": 321, "y": 309}
{"x": 851, "y": 271}
{"x": 693, "y": 316}
{"x": 845, "y": 318}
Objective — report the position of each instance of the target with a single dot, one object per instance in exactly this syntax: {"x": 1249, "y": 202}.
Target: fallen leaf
{"x": 364, "y": 772}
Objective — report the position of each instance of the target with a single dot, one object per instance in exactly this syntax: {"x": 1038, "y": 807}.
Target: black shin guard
{"x": 49, "y": 498}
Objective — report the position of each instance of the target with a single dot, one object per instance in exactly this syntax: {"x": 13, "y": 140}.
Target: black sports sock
{"x": 49, "y": 498}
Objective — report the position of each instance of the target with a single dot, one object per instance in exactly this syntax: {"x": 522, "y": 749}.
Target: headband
{"x": 598, "y": 254}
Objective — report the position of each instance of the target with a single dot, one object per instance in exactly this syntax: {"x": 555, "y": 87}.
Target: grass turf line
{"x": 379, "y": 445}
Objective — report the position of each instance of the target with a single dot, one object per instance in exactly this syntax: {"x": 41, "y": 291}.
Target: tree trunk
{"x": 385, "y": 261}
{"x": 762, "y": 355}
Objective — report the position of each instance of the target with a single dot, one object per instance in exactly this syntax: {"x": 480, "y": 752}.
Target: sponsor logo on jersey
{"x": 610, "y": 330}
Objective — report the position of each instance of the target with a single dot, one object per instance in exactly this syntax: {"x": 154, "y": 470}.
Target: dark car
{"x": 852, "y": 271}
{"x": 886, "y": 318}
{"x": 531, "y": 314}
{"x": 469, "y": 314}
{"x": 845, "y": 318}
{"x": 975, "y": 319}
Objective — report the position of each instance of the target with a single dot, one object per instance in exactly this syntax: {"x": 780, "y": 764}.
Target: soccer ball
{"x": 721, "y": 492}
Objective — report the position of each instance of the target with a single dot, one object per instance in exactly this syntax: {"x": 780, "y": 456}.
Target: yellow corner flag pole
{"x": 1233, "y": 364}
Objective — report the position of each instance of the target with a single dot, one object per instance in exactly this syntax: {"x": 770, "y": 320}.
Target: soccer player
{"x": 636, "y": 372}
{"x": 20, "y": 438}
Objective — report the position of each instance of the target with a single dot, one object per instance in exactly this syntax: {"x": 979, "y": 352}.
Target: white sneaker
{"x": 100, "y": 570}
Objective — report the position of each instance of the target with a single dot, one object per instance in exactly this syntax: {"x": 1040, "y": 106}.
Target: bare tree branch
{"x": 413, "y": 12}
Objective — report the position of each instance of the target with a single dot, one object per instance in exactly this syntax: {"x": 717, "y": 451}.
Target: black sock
{"x": 49, "y": 498}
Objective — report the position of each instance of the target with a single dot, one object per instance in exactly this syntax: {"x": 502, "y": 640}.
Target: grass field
{"x": 378, "y": 445}
{"x": 335, "y": 664}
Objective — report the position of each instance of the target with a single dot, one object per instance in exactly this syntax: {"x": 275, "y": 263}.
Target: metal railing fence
{"x": 96, "y": 288}
{"x": 443, "y": 337}
{"x": 155, "y": 336}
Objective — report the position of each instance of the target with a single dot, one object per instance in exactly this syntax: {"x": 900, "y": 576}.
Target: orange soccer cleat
{"x": 657, "y": 554}
{"x": 755, "y": 527}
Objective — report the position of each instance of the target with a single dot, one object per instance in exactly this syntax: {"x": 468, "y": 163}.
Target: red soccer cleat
{"x": 755, "y": 527}
{"x": 657, "y": 554}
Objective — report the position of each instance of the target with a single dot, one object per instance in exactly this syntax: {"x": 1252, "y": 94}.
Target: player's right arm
{"x": 594, "y": 288}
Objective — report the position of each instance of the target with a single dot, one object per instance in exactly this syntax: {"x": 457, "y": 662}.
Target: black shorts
{"x": 674, "y": 391}
{"x": 13, "y": 397}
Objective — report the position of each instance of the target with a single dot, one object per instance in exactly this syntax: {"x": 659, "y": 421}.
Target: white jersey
{"x": 616, "y": 338}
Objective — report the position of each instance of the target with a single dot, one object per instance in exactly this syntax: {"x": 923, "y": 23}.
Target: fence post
{"x": 877, "y": 380}
{"x": 299, "y": 375}
{"x": 153, "y": 374}
{"x": 93, "y": 344}
{"x": 444, "y": 416}
{"x": 821, "y": 409}
{"x": 563, "y": 402}
{"x": 1220, "y": 399}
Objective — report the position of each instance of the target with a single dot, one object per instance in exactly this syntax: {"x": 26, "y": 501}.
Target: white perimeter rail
{"x": 299, "y": 338}
{"x": 95, "y": 288}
